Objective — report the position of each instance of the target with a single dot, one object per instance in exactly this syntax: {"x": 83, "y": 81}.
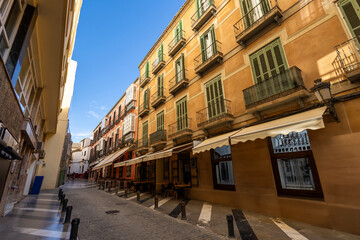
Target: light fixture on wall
{"x": 322, "y": 91}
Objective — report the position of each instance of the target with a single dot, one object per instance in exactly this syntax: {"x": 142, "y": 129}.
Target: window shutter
{"x": 197, "y": 8}
{"x": 160, "y": 52}
{"x": 182, "y": 67}
{"x": 212, "y": 33}
{"x": 202, "y": 46}
{"x": 350, "y": 10}
{"x": 215, "y": 98}
{"x": 145, "y": 133}
{"x": 147, "y": 69}
{"x": 180, "y": 29}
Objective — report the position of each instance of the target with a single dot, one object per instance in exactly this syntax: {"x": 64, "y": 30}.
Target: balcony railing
{"x": 217, "y": 112}
{"x": 158, "y": 137}
{"x": 158, "y": 97}
{"x": 205, "y": 11}
{"x": 178, "y": 82}
{"x": 131, "y": 105}
{"x": 180, "y": 128}
{"x": 144, "y": 109}
{"x": 275, "y": 87}
{"x": 145, "y": 78}
{"x": 158, "y": 64}
{"x": 256, "y": 19}
{"x": 142, "y": 143}
{"x": 177, "y": 43}
{"x": 128, "y": 138}
{"x": 209, "y": 56}
{"x": 348, "y": 55}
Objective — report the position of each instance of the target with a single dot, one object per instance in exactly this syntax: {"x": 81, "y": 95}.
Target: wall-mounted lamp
{"x": 322, "y": 91}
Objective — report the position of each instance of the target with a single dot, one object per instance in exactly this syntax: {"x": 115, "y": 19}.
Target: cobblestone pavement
{"x": 108, "y": 215}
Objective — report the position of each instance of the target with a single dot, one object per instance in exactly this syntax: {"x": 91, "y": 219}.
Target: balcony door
{"x": 160, "y": 84}
{"x": 253, "y": 10}
{"x": 203, "y": 6}
{"x": 181, "y": 114}
{"x": 179, "y": 69}
{"x": 207, "y": 43}
{"x": 268, "y": 62}
{"x": 215, "y": 98}
{"x": 145, "y": 134}
{"x": 351, "y": 11}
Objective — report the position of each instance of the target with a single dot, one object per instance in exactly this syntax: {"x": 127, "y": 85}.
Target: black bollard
{"x": 138, "y": 196}
{"x": 183, "y": 212}
{"x": 125, "y": 193}
{"x": 230, "y": 222}
{"x": 156, "y": 201}
{"x": 64, "y": 205}
{"x": 74, "y": 228}
{"x": 68, "y": 214}
{"x": 62, "y": 199}
{"x": 60, "y": 191}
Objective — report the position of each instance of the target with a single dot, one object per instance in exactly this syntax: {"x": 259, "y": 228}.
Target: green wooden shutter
{"x": 268, "y": 62}
{"x": 182, "y": 62}
{"x": 160, "y": 92}
{"x": 147, "y": 69}
{"x": 145, "y": 134}
{"x": 215, "y": 97}
{"x": 146, "y": 98}
{"x": 160, "y": 52}
{"x": 197, "y": 8}
{"x": 160, "y": 121}
{"x": 351, "y": 11}
{"x": 203, "y": 48}
{"x": 212, "y": 33}
{"x": 181, "y": 28}
{"x": 181, "y": 114}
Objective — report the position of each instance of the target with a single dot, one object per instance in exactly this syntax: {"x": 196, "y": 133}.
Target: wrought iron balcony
{"x": 145, "y": 78}
{"x": 131, "y": 105}
{"x": 205, "y": 11}
{"x": 158, "y": 138}
{"x": 178, "y": 82}
{"x": 142, "y": 144}
{"x": 144, "y": 110}
{"x": 177, "y": 43}
{"x": 348, "y": 55}
{"x": 208, "y": 57}
{"x": 128, "y": 138}
{"x": 217, "y": 112}
{"x": 277, "y": 86}
{"x": 158, "y": 64}
{"x": 158, "y": 98}
{"x": 180, "y": 129}
{"x": 265, "y": 13}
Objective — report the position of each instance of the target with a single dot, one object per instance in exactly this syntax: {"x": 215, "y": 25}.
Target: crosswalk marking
{"x": 292, "y": 233}
{"x": 205, "y": 215}
{"x": 42, "y": 232}
{"x": 161, "y": 202}
{"x": 133, "y": 197}
{"x": 38, "y": 209}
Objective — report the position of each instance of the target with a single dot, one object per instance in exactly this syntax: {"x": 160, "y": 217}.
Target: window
{"x": 147, "y": 70}
{"x": 181, "y": 114}
{"x": 129, "y": 124}
{"x": 160, "y": 121}
{"x": 202, "y": 6}
{"x": 160, "y": 85}
{"x": 253, "y": 10}
{"x": 178, "y": 33}
{"x": 160, "y": 53}
{"x": 208, "y": 44}
{"x": 130, "y": 94}
{"x": 351, "y": 12}
{"x": 179, "y": 69}
{"x": 223, "y": 176}
{"x": 294, "y": 166}
{"x": 215, "y": 97}
{"x": 268, "y": 62}
{"x": 128, "y": 171}
{"x": 146, "y": 99}
{"x": 145, "y": 133}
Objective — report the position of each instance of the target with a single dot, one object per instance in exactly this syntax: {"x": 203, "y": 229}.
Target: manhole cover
{"x": 112, "y": 212}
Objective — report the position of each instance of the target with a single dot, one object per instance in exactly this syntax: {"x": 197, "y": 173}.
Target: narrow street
{"x": 105, "y": 215}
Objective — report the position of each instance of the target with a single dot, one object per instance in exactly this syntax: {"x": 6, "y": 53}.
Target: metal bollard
{"x": 74, "y": 228}
{"x": 68, "y": 214}
{"x": 62, "y": 199}
{"x": 138, "y": 196}
{"x": 156, "y": 201}
{"x": 183, "y": 212}
{"x": 230, "y": 223}
{"x": 125, "y": 193}
{"x": 60, "y": 191}
{"x": 64, "y": 205}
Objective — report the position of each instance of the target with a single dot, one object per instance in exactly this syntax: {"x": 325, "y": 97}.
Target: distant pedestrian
{"x": 73, "y": 176}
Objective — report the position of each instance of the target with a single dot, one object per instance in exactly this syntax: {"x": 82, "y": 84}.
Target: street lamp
{"x": 322, "y": 92}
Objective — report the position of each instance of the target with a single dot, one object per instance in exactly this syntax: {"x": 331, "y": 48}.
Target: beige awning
{"x": 311, "y": 119}
{"x": 214, "y": 142}
{"x": 158, "y": 155}
{"x": 134, "y": 161}
{"x": 109, "y": 159}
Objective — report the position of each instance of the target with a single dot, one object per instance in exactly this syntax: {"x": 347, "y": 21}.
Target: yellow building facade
{"x": 227, "y": 107}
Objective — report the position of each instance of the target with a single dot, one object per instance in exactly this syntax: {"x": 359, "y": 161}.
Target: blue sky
{"x": 112, "y": 39}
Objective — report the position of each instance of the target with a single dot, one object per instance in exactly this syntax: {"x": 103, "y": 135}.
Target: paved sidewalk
{"x": 35, "y": 217}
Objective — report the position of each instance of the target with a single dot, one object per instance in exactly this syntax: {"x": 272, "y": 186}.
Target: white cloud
{"x": 94, "y": 114}
{"x": 82, "y": 134}
{"x": 103, "y": 108}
